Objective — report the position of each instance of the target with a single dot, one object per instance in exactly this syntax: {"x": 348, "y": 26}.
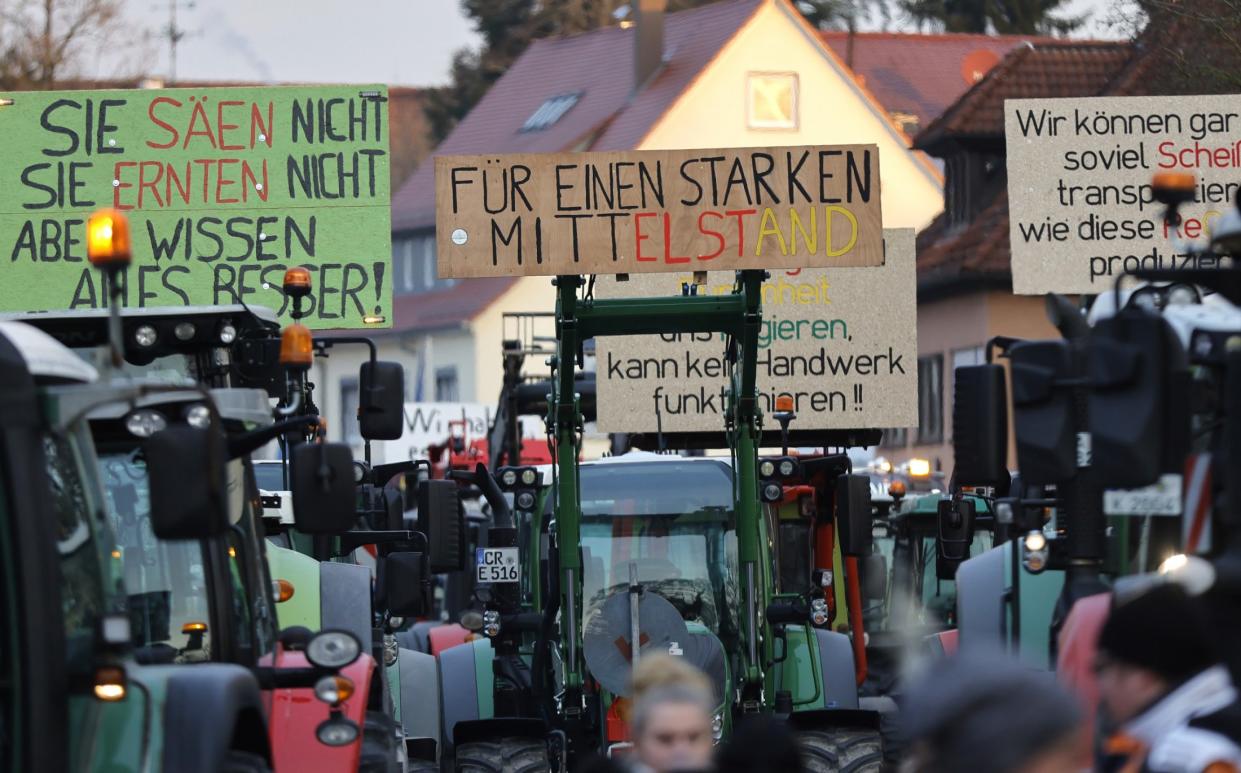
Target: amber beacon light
{"x": 296, "y": 347}
{"x": 107, "y": 239}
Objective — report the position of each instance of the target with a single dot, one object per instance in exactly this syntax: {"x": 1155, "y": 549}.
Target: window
{"x": 965, "y": 357}
{"x": 931, "y": 399}
{"x": 446, "y": 385}
{"x": 550, "y": 112}
{"x": 413, "y": 261}
{"x": 894, "y": 438}
{"x": 349, "y": 410}
{"x": 167, "y": 581}
{"x": 81, "y": 593}
{"x": 772, "y": 100}
{"x": 403, "y": 260}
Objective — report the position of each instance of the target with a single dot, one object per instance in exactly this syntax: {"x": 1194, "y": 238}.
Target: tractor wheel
{"x": 507, "y": 755}
{"x": 245, "y": 762}
{"x": 378, "y": 744}
{"x": 847, "y": 750}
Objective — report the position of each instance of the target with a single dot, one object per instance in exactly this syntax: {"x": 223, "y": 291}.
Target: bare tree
{"x": 42, "y": 41}
{"x": 1192, "y": 46}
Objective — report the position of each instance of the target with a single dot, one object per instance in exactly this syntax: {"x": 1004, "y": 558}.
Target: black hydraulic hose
{"x": 501, "y": 512}
{"x": 242, "y": 445}
{"x": 539, "y": 665}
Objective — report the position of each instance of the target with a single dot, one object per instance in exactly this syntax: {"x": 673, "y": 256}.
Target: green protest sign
{"x": 225, "y": 188}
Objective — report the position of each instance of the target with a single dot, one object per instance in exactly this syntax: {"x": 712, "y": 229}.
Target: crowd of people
{"x": 1155, "y": 696}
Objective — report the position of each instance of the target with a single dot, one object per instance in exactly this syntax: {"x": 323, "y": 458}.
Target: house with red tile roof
{"x": 735, "y": 73}
{"x": 915, "y": 76}
{"x": 964, "y": 276}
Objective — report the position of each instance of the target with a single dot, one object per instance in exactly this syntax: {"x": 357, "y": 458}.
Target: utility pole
{"x": 174, "y": 34}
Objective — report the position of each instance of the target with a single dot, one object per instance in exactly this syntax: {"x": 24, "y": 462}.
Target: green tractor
{"x": 77, "y": 694}
{"x": 283, "y": 572}
{"x": 652, "y": 552}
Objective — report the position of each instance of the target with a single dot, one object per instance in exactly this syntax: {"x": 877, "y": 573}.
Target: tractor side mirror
{"x": 854, "y": 519}
{"x": 980, "y": 425}
{"x": 1043, "y": 411}
{"x": 394, "y": 506}
{"x": 323, "y": 488}
{"x": 874, "y": 576}
{"x": 956, "y": 532}
{"x": 1139, "y": 425}
{"x": 787, "y": 612}
{"x": 381, "y": 400}
{"x": 442, "y": 519}
{"x": 405, "y": 583}
{"x": 187, "y": 506}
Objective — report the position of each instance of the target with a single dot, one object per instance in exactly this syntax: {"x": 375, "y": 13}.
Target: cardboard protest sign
{"x": 657, "y": 211}
{"x": 841, "y": 341}
{"x": 224, "y": 188}
{"x": 1079, "y": 171}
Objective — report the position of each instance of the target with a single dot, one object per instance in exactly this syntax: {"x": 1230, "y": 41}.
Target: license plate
{"x": 1162, "y": 498}
{"x": 497, "y": 565}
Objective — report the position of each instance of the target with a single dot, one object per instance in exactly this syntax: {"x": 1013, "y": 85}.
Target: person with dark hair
{"x": 985, "y": 713}
{"x": 1164, "y": 692}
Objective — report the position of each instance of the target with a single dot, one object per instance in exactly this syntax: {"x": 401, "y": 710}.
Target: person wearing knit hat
{"x": 987, "y": 713}
{"x": 1163, "y": 689}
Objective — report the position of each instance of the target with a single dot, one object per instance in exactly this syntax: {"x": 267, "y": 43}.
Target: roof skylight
{"x": 551, "y": 111}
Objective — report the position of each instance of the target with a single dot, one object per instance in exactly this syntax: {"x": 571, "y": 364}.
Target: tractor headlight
{"x": 198, "y": 416}
{"x": 766, "y": 468}
{"x": 334, "y": 690}
{"x": 717, "y": 727}
{"x": 1035, "y": 552}
{"x": 508, "y": 478}
{"x": 772, "y": 492}
{"x": 787, "y": 467}
{"x": 184, "y": 331}
{"x": 145, "y": 336}
{"x": 818, "y": 611}
{"x": 529, "y": 476}
{"x": 145, "y": 422}
{"x": 337, "y": 731}
{"x": 525, "y": 501}
{"x": 333, "y": 649}
{"x": 228, "y": 334}
{"x": 491, "y": 623}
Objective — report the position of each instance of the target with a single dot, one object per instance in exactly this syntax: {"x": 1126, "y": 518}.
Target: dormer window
{"x": 551, "y": 111}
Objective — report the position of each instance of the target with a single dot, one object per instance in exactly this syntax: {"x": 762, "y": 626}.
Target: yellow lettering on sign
{"x": 830, "y": 209}
{"x": 769, "y": 216}
{"x": 811, "y": 237}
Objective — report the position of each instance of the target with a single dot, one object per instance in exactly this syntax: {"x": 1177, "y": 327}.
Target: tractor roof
{"x": 45, "y": 358}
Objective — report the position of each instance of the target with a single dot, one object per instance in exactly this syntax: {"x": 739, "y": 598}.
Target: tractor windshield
{"x": 673, "y": 522}
{"x": 165, "y": 579}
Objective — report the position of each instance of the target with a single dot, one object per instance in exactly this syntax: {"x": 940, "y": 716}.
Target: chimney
{"x": 648, "y": 39}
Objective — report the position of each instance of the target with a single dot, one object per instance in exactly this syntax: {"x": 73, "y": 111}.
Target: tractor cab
{"x": 190, "y": 600}
{"x": 922, "y": 588}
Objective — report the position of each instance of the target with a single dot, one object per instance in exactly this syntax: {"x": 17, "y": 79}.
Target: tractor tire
{"x": 506, "y": 755}
{"x": 378, "y": 744}
{"x": 244, "y": 762}
{"x": 842, "y": 750}
{"x": 422, "y": 766}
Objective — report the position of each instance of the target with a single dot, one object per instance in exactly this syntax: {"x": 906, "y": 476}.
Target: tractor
{"x": 158, "y": 610}
{"x": 235, "y": 354}
{"x": 599, "y": 563}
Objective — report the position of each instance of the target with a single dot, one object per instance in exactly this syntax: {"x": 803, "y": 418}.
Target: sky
{"x": 398, "y": 42}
